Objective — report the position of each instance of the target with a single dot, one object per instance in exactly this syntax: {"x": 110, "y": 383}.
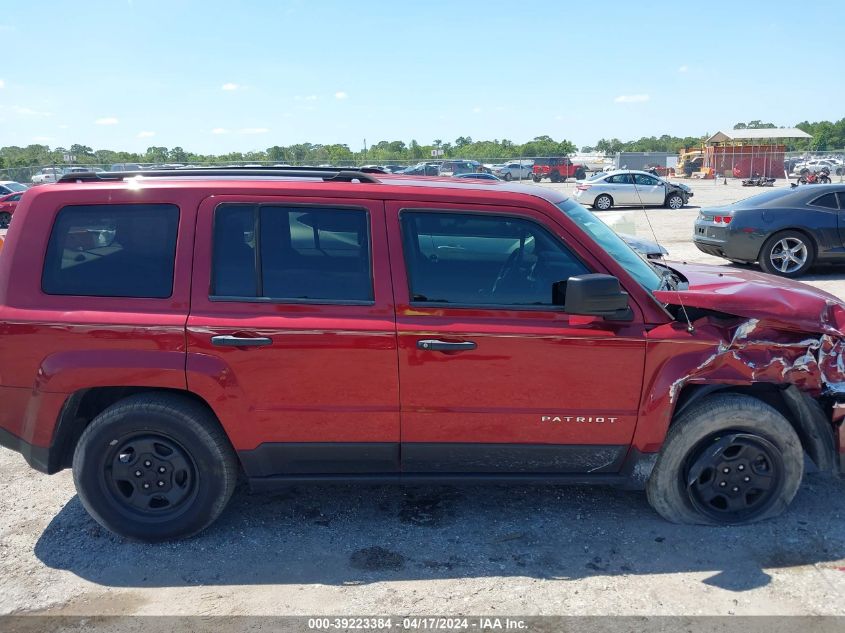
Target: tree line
{"x": 826, "y": 136}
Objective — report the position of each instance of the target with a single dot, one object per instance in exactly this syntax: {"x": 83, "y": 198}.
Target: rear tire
{"x": 800, "y": 248}
{"x": 729, "y": 459}
{"x": 580, "y": 174}
{"x": 5, "y": 218}
{"x": 554, "y": 176}
{"x": 603, "y": 202}
{"x": 154, "y": 467}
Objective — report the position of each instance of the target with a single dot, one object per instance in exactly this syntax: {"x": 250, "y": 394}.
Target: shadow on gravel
{"x": 352, "y": 535}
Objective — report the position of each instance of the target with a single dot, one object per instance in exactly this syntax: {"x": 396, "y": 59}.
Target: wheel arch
{"x": 80, "y": 409}
{"x": 803, "y": 412}
{"x": 797, "y": 229}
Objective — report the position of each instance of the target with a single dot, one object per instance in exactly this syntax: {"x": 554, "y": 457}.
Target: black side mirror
{"x": 593, "y": 295}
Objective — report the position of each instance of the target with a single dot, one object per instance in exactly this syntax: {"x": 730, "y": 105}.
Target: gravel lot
{"x": 346, "y": 550}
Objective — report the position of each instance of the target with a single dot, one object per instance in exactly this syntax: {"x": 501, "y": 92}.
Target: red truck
{"x": 162, "y": 333}
{"x": 557, "y": 169}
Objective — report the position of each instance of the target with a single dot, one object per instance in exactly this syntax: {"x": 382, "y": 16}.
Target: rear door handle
{"x": 240, "y": 341}
{"x": 434, "y": 345}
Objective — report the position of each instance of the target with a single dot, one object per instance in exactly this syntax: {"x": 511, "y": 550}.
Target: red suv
{"x": 162, "y": 333}
{"x": 557, "y": 169}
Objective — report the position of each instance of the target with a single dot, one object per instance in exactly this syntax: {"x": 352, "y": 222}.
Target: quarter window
{"x": 474, "y": 259}
{"x": 827, "y": 201}
{"x": 292, "y": 253}
{"x": 112, "y": 251}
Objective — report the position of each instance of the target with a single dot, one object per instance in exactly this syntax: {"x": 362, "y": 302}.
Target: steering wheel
{"x": 506, "y": 269}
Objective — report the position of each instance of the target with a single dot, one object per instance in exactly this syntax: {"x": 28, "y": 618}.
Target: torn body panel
{"x": 805, "y": 368}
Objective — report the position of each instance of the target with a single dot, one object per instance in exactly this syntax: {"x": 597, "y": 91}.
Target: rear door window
{"x": 305, "y": 254}
{"x": 828, "y": 201}
{"x": 125, "y": 250}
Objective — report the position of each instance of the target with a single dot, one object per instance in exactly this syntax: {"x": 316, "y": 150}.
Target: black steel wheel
{"x": 555, "y": 176}
{"x": 154, "y": 467}
{"x": 729, "y": 458}
{"x": 733, "y": 475}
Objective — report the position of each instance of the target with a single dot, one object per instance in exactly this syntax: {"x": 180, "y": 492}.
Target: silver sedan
{"x": 631, "y": 188}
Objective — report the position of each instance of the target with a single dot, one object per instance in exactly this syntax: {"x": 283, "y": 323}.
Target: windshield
{"x": 638, "y": 268}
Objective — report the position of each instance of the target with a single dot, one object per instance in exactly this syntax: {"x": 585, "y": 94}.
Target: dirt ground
{"x": 347, "y": 550}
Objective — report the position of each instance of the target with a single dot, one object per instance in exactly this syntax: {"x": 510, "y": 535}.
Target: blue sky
{"x": 215, "y": 76}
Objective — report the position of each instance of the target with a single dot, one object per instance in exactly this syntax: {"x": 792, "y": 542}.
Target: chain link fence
{"x": 720, "y": 163}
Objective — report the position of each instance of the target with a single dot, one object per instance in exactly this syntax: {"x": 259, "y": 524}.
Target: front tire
{"x": 675, "y": 201}
{"x": 603, "y": 202}
{"x": 788, "y": 254}
{"x": 154, "y": 467}
{"x": 580, "y": 174}
{"x": 729, "y": 459}
{"x": 555, "y": 176}
{"x": 508, "y": 176}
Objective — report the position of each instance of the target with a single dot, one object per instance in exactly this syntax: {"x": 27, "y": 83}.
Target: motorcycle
{"x": 821, "y": 177}
{"x": 757, "y": 180}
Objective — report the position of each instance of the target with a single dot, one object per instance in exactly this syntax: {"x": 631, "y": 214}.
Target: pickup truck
{"x": 557, "y": 169}
{"x": 163, "y": 334}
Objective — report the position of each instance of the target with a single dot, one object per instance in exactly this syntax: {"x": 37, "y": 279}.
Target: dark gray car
{"x": 785, "y": 230}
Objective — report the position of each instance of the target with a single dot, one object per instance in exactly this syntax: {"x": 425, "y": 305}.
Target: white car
{"x": 513, "y": 170}
{"x": 817, "y": 164}
{"x": 47, "y": 174}
{"x": 631, "y": 188}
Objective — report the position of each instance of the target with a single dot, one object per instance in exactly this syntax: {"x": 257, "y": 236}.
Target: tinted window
{"x": 828, "y": 201}
{"x": 620, "y": 179}
{"x": 841, "y": 195}
{"x": 482, "y": 259}
{"x": 233, "y": 260}
{"x": 303, "y": 253}
{"x": 112, "y": 251}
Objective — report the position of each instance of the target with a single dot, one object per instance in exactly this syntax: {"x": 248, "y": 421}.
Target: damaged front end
{"x": 781, "y": 340}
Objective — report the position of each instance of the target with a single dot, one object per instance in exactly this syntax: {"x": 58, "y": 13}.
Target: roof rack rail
{"x": 328, "y": 174}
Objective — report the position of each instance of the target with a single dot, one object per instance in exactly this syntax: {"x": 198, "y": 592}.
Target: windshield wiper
{"x": 669, "y": 280}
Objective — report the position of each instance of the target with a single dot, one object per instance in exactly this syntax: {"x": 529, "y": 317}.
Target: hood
{"x": 754, "y": 295}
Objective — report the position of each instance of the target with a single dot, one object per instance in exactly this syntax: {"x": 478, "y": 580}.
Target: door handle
{"x": 240, "y": 341}
{"x": 433, "y": 345}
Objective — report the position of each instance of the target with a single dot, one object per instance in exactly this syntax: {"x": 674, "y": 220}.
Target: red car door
{"x": 291, "y": 335}
{"x": 494, "y": 378}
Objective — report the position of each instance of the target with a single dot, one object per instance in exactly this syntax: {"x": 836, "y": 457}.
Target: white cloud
{"x": 107, "y": 120}
{"x": 29, "y": 111}
{"x": 2, "y": 84}
{"x": 220, "y": 130}
{"x": 63, "y": 126}
{"x": 683, "y": 69}
{"x": 145, "y": 134}
{"x": 340, "y": 95}
{"x": 230, "y": 86}
{"x": 42, "y": 139}
{"x": 254, "y": 130}
{"x": 476, "y": 109}
{"x": 305, "y": 98}
{"x": 632, "y": 98}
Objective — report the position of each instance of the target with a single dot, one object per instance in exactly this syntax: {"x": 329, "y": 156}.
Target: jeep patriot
{"x": 163, "y": 333}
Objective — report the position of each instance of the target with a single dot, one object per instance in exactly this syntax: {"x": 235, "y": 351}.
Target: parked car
{"x": 422, "y": 169}
{"x": 631, "y": 188}
{"x": 47, "y": 175}
{"x": 8, "y": 203}
{"x": 81, "y": 169}
{"x": 164, "y": 338}
{"x": 557, "y": 169}
{"x": 815, "y": 165}
{"x": 478, "y": 176}
{"x": 127, "y": 167}
{"x": 455, "y": 167}
{"x": 10, "y": 186}
{"x": 514, "y": 170}
{"x": 784, "y": 230}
